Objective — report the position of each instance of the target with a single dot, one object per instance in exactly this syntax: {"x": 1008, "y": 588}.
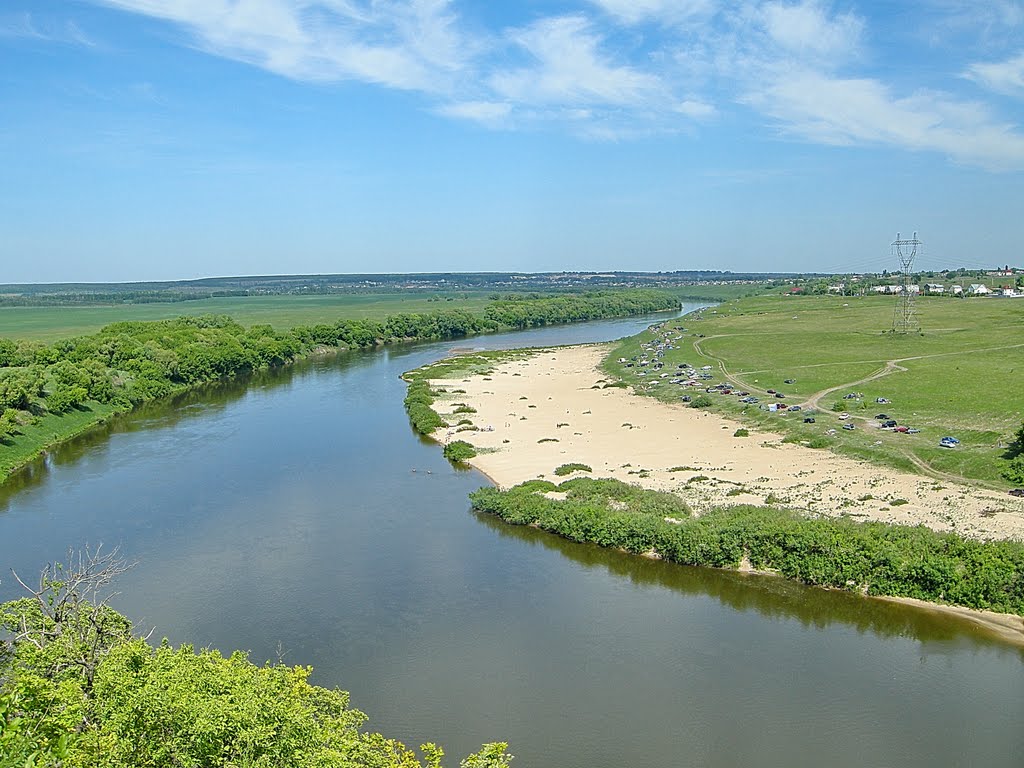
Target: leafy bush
{"x": 568, "y": 469}
{"x": 741, "y": 432}
{"x": 1014, "y": 470}
{"x": 701, "y": 401}
{"x": 881, "y": 559}
{"x": 77, "y": 689}
{"x": 459, "y": 450}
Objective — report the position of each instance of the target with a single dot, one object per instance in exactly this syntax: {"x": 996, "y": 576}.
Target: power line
{"x": 904, "y": 316}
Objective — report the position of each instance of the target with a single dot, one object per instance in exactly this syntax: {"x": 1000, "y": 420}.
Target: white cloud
{"x": 407, "y": 44}
{"x": 597, "y": 75}
{"x": 487, "y": 112}
{"x": 1003, "y": 76}
{"x": 806, "y": 29}
{"x": 27, "y": 27}
{"x": 838, "y": 111}
{"x": 696, "y": 110}
{"x": 664, "y": 11}
{"x": 570, "y": 69}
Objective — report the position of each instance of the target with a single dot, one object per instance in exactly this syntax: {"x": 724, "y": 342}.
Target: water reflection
{"x": 769, "y": 596}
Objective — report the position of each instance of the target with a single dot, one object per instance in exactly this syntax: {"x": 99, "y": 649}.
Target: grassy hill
{"x": 962, "y": 376}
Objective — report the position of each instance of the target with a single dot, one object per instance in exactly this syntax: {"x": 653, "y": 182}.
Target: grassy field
{"x": 963, "y": 376}
{"x": 282, "y": 312}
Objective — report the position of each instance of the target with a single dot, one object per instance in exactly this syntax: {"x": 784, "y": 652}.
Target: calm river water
{"x": 283, "y": 514}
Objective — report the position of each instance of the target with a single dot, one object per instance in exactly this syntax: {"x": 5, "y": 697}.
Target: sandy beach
{"x": 542, "y": 411}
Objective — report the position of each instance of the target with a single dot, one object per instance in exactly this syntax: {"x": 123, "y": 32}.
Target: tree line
{"x": 127, "y": 363}
{"x": 869, "y": 557}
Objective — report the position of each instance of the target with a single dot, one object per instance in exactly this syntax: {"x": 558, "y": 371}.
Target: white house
{"x": 935, "y": 289}
{"x": 956, "y": 290}
{"x": 978, "y": 289}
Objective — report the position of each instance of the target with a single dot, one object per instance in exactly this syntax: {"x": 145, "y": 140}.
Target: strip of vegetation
{"x": 418, "y": 401}
{"x": 78, "y": 688}
{"x": 50, "y": 392}
{"x": 569, "y": 468}
{"x": 873, "y": 558}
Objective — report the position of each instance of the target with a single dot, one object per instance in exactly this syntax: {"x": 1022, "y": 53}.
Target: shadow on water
{"x": 769, "y": 596}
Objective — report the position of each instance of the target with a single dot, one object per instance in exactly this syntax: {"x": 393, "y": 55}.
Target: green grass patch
{"x": 958, "y": 377}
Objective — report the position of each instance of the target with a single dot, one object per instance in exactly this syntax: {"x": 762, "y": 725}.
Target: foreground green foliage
{"x": 78, "y": 689}
{"x": 873, "y": 558}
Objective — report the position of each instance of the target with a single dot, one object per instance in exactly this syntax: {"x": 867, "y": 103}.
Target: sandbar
{"x": 537, "y": 412}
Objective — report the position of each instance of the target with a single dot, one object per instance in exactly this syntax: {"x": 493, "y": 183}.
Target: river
{"x": 298, "y": 515}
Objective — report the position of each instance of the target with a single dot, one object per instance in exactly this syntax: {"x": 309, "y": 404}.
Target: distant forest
{"x": 64, "y": 294}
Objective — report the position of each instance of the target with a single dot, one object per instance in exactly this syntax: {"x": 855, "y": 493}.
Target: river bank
{"x": 550, "y": 408}
{"x": 537, "y": 415}
{"x": 54, "y": 393}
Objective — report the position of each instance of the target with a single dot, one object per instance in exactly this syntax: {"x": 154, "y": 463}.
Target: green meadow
{"x": 280, "y": 311}
{"x": 962, "y": 375}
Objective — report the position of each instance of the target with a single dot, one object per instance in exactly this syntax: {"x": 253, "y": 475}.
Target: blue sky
{"x": 167, "y": 139}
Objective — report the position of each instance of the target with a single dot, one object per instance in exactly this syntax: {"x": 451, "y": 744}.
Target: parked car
{"x": 889, "y": 424}
{"x": 949, "y": 442}
{"x": 770, "y": 391}
{"x": 902, "y": 430}
{"x": 844, "y": 416}
{"x": 881, "y": 416}
{"x": 795, "y": 408}
{"x": 789, "y": 381}
{"x": 808, "y": 420}
{"x": 848, "y": 426}
{"x": 779, "y": 394}
{"x": 913, "y": 431}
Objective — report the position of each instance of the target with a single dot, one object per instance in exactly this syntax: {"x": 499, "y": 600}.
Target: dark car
{"x": 789, "y": 381}
{"x": 889, "y": 424}
{"x": 770, "y": 391}
{"x": 881, "y": 416}
{"x": 808, "y": 420}
{"x": 779, "y": 394}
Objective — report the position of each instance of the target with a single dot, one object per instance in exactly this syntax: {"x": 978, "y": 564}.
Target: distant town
{"x": 1002, "y": 282}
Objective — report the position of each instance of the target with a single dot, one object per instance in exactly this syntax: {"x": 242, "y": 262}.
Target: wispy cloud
{"x": 1001, "y": 76}
{"x": 405, "y": 44}
{"x": 28, "y": 27}
{"x": 610, "y": 69}
{"x": 569, "y": 68}
{"x": 806, "y": 30}
{"x": 662, "y": 11}
{"x": 831, "y": 110}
